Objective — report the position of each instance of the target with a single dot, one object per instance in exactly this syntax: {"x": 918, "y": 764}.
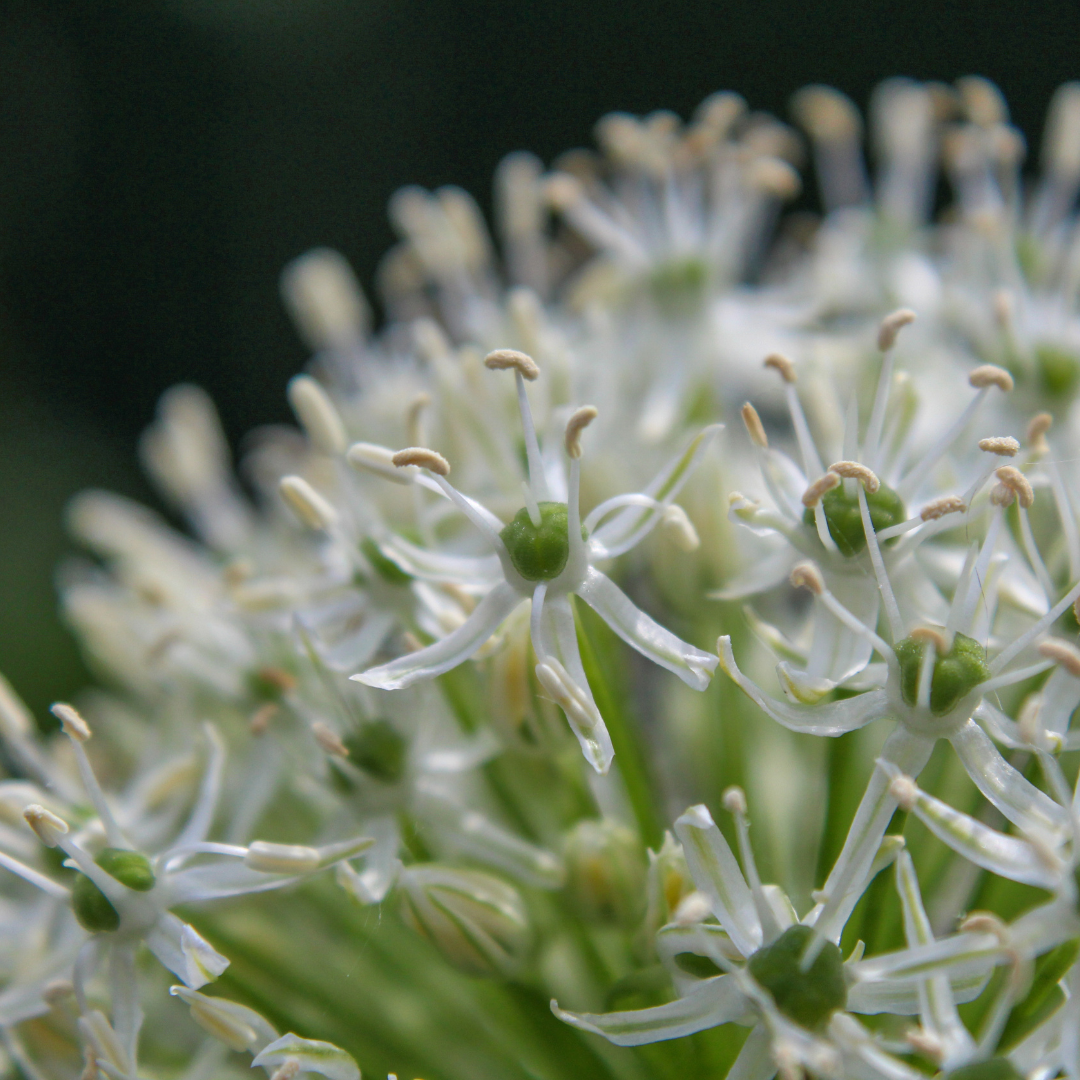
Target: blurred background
{"x": 160, "y": 160}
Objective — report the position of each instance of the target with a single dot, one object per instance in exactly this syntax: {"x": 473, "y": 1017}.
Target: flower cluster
{"x": 405, "y": 642}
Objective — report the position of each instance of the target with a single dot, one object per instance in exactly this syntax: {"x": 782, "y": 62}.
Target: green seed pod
{"x": 956, "y": 673}
{"x": 844, "y": 518}
{"x": 605, "y": 870}
{"x": 386, "y": 568}
{"x": 807, "y": 997}
{"x": 92, "y": 907}
{"x": 538, "y": 553}
{"x": 995, "y": 1068}
{"x": 379, "y": 750}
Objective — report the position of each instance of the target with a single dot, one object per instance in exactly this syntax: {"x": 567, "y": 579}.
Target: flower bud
{"x": 605, "y": 867}
{"x": 477, "y": 921}
{"x": 667, "y": 884}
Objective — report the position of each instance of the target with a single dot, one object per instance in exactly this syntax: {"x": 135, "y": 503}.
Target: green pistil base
{"x": 807, "y": 997}
{"x": 845, "y": 521}
{"x": 956, "y": 673}
{"x": 92, "y": 907}
{"x": 539, "y": 553}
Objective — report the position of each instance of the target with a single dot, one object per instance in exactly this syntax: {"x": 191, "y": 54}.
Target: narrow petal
{"x": 718, "y": 1001}
{"x": 717, "y": 874}
{"x": 202, "y": 816}
{"x": 755, "y": 1060}
{"x": 1018, "y": 799}
{"x": 184, "y": 952}
{"x": 437, "y": 566}
{"x": 452, "y": 650}
{"x": 314, "y": 1057}
{"x": 662, "y": 647}
{"x": 832, "y": 718}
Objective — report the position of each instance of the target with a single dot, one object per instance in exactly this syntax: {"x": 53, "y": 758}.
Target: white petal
{"x": 650, "y": 639}
{"x": 452, "y": 650}
{"x": 313, "y": 1056}
{"x": 832, "y": 718}
{"x": 437, "y": 566}
{"x": 718, "y": 1001}
{"x": 180, "y": 948}
{"x": 717, "y": 874}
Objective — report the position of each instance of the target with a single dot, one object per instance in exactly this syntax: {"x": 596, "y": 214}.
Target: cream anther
{"x": 826, "y": 114}
{"x": 522, "y": 363}
{"x": 982, "y": 101}
{"x": 806, "y": 575}
{"x": 991, "y": 375}
{"x": 324, "y": 299}
{"x": 680, "y": 528}
{"x": 774, "y": 177}
{"x": 1036, "y": 432}
{"x": 578, "y": 422}
{"x": 328, "y": 740}
{"x": 826, "y": 482}
{"x": 925, "y": 1043}
{"x": 905, "y": 791}
{"x": 310, "y": 508}
{"x": 317, "y": 415}
{"x": 48, "y": 827}
{"x": 371, "y": 457}
{"x": 1017, "y": 483}
{"x": 780, "y": 363}
{"x": 563, "y": 191}
{"x": 1002, "y": 445}
{"x": 753, "y": 426}
{"x": 853, "y": 470}
{"x": 72, "y": 723}
{"x": 15, "y": 718}
{"x": 733, "y": 800}
{"x": 281, "y": 858}
{"x": 1063, "y": 653}
{"x": 891, "y": 325}
{"x": 930, "y": 635}
{"x": 287, "y": 1071}
{"x": 425, "y": 458}
{"x": 985, "y": 922}
{"x": 947, "y": 504}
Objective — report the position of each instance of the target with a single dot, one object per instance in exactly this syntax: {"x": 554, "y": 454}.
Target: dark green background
{"x": 160, "y": 161}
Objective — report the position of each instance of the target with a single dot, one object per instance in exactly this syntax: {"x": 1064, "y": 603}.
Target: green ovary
{"x": 956, "y": 673}
{"x": 538, "y": 552}
{"x": 379, "y": 750}
{"x": 995, "y": 1068}
{"x": 92, "y": 907}
{"x": 808, "y": 997}
{"x": 845, "y": 521}
{"x": 386, "y": 568}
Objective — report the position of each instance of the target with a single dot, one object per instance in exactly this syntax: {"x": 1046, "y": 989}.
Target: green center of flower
{"x": 808, "y": 997}
{"x": 995, "y": 1068}
{"x": 92, "y": 907}
{"x": 386, "y": 568}
{"x": 379, "y": 750}
{"x": 538, "y": 552}
{"x": 956, "y": 673}
{"x": 679, "y": 285}
{"x": 844, "y": 519}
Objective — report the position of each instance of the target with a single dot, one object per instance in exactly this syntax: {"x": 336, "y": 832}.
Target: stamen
{"x": 531, "y": 504}
{"x": 753, "y": 426}
{"x": 524, "y": 367}
{"x": 579, "y": 420}
{"x": 46, "y": 825}
{"x": 947, "y": 504}
{"x": 930, "y": 635}
{"x": 310, "y": 508}
{"x": 734, "y": 802}
{"x": 812, "y": 495}
{"x": 1002, "y": 445}
{"x": 507, "y": 359}
{"x": 72, "y": 723}
{"x": 378, "y": 460}
{"x": 328, "y": 739}
{"x": 680, "y": 528}
{"x": 1063, "y": 653}
{"x": 1029, "y": 635}
{"x": 926, "y": 672}
{"x": 892, "y": 610}
{"x": 271, "y": 858}
{"x": 891, "y": 326}
{"x": 1012, "y": 478}
{"x": 317, "y": 415}
{"x": 780, "y": 363}
{"x": 990, "y": 375}
{"x": 426, "y": 459}
{"x": 853, "y": 470}
{"x": 806, "y": 575}
{"x": 1036, "y": 433}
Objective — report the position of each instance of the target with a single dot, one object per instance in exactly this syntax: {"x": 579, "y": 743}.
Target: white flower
{"x": 546, "y": 554}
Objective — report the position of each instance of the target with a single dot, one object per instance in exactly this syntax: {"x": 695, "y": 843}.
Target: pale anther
{"x": 328, "y": 740}
{"x": 991, "y": 375}
{"x": 680, "y": 528}
{"x": 1036, "y": 432}
{"x": 376, "y": 459}
{"x": 826, "y": 482}
{"x": 985, "y": 922}
{"x": 425, "y": 458}
{"x": 806, "y": 575}
{"x": 733, "y": 800}
{"x": 926, "y": 1043}
{"x": 930, "y": 635}
{"x": 317, "y": 415}
{"x": 853, "y": 470}
{"x": 73, "y": 724}
{"x": 780, "y": 363}
{"x": 1063, "y": 653}
{"x": 947, "y": 504}
{"x": 579, "y": 420}
{"x": 1002, "y": 445}
{"x": 562, "y": 190}
{"x": 522, "y": 363}
{"x": 48, "y": 827}
{"x": 753, "y": 426}
{"x": 905, "y": 791}
{"x": 306, "y": 503}
{"x": 891, "y": 325}
{"x": 1018, "y": 483}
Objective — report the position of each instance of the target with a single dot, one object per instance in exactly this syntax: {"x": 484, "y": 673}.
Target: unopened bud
{"x": 680, "y": 528}
{"x": 48, "y": 827}
{"x": 317, "y": 415}
{"x": 310, "y": 508}
{"x": 668, "y": 885}
{"x": 73, "y": 724}
{"x": 477, "y": 921}
{"x": 605, "y": 872}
